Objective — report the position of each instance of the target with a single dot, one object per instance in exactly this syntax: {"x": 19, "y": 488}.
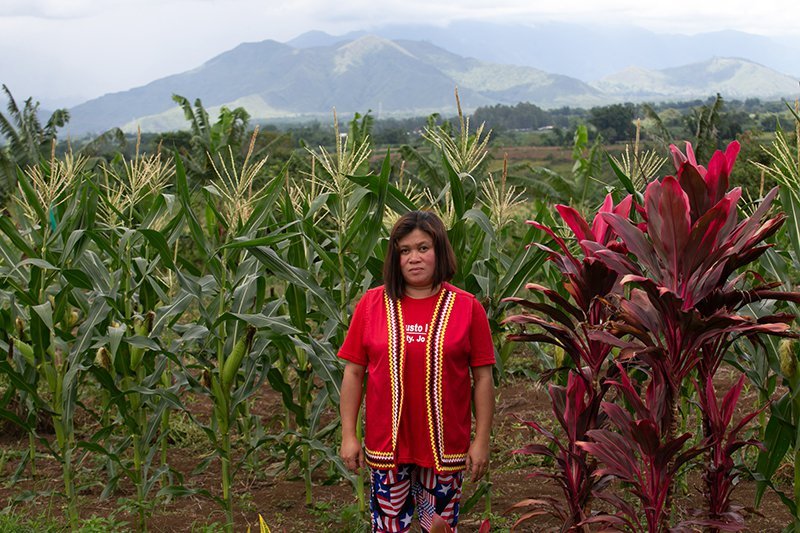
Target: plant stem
{"x": 32, "y": 452}
{"x": 304, "y": 389}
{"x": 226, "y": 481}
{"x": 224, "y": 402}
{"x": 64, "y": 444}
{"x": 796, "y": 416}
{"x": 165, "y": 381}
{"x": 139, "y": 477}
{"x": 69, "y": 486}
{"x": 139, "y": 451}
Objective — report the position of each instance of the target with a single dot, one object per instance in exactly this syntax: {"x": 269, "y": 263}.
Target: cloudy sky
{"x": 65, "y": 51}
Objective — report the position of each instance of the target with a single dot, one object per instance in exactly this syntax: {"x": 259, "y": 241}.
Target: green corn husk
{"x": 787, "y": 353}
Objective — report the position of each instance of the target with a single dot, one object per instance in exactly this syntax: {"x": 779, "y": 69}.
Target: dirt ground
{"x": 280, "y": 498}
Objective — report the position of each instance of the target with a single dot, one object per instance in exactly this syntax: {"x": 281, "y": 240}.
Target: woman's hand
{"x": 478, "y": 459}
{"x": 483, "y": 396}
{"x": 350, "y": 402}
{"x": 351, "y": 453}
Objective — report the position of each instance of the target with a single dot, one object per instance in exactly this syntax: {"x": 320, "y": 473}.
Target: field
{"x": 171, "y": 323}
{"x": 280, "y": 497}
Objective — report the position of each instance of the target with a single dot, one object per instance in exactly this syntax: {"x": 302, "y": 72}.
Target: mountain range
{"x": 308, "y": 76}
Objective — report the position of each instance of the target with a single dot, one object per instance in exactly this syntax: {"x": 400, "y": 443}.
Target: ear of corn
{"x": 788, "y": 358}
{"x": 103, "y": 358}
{"x": 26, "y": 350}
{"x": 142, "y": 328}
{"x": 234, "y": 360}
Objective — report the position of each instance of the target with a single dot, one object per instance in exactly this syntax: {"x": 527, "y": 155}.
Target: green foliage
{"x": 26, "y": 140}
{"x": 189, "y": 263}
{"x": 614, "y": 122}
{"x": 523, "y": 116}
{"x": 211, "y": 141}
{"x": 13, "y": 523}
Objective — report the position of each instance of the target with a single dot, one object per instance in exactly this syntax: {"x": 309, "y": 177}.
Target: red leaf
{"x": 719, "y": 169}
{"x": 707, "y": 233}
{"x": 600, "y": 226}
{"x": 623, "y": 208}
{"x": 729, "y": 401}
{"x": 694, "y": 185}
{"x": 678, "y": 158}
{"x": 556, "y": 238}
{"x": 614, "y": 451}
{"x": 612, "y": 259}
{"x": 535, "y": 449}
{"x": 668, "y": 220}
{"x": 576, "y": 222}
{"x": 645, "y": 433}
{"x": 634, "y": 239}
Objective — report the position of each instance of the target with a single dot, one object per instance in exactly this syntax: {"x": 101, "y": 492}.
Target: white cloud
{"x": 55, "y": 9}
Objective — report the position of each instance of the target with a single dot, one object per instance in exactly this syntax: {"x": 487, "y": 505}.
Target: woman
{"x": 417, "y": 338}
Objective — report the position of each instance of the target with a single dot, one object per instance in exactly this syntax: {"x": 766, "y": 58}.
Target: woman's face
{"x": 417, "y": 259}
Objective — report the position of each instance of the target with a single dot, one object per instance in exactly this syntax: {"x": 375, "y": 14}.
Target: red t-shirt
{"x": 467, "y": 343}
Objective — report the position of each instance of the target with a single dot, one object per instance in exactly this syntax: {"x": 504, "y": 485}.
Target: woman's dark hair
{"x": 431, "y": 224}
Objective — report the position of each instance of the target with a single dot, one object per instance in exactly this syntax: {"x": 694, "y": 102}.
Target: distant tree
{"x": 360, "y": 128}
{"x": 311, "y": 134}
{"x": 614, "y": 122}
{"x": 26, "y": 141}
{"x": 523, "y": 116}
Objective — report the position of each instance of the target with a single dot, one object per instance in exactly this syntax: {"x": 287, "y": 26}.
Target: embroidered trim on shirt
{"x": 434, "y": 361}
{"x": 397, "y": 359}
{"x": 434, "y": 356}
{"x": 382, "y": 460}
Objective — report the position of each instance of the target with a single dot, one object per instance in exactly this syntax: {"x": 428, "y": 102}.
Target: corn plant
{"x": 55, "y": 205}
{"x": 339, "y": 218}
{"x": 478, "y": 211}
{"x": 231, "y": 298}
{"x": 781, "y": 433}
{"x": 131, "y": 364}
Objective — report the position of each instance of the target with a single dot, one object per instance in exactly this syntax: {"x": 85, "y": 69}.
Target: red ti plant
{"x": 588, "y": 281}
{"x": 721, "y": 473}
{"x": 685, "y": 308}
{"x": 693, "y": 242}
{"x": 640, "y": 455}
{"x": 576, "y": 409}
{"x": 569, "y": 325}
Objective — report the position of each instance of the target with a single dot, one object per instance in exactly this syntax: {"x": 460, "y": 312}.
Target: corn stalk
{"x": 232, "y": 300}
{"x": 54, "y": 206}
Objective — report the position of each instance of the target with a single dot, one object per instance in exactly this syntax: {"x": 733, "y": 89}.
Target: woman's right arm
{"x": 350, "y": 402}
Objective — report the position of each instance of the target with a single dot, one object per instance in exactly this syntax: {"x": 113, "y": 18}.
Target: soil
{"x": 279, "y": 495}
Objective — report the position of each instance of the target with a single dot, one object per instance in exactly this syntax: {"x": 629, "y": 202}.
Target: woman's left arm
{"x": 483, "y": 396}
